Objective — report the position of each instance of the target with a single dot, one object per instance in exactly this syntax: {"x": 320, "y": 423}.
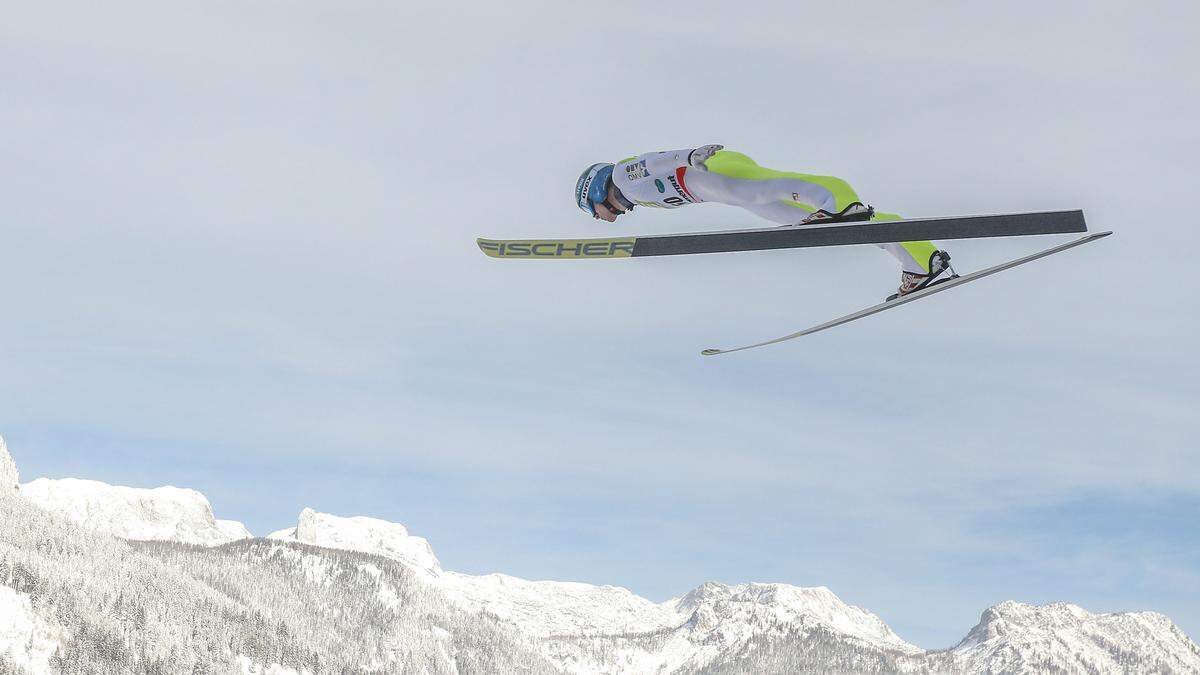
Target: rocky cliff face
{"x": 8, "y": 469}
{"x": 367, "y": 535}
{"x": 159, "y": 514}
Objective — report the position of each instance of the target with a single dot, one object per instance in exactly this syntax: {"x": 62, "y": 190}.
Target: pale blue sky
{"x": 238, "y": 255}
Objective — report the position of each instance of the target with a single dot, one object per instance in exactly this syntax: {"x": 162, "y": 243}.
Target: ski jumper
{"x": 664, "y": 180}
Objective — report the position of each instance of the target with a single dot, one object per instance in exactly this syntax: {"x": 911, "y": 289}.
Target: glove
{"x": 700, "y": 155}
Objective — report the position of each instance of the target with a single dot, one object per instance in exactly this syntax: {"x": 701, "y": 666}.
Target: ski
{"x": 917, "y": 295}
{"x": 766, "y": 238}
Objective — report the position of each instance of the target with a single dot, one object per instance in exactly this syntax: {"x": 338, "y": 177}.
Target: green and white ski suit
{"x": 665, "y": 180}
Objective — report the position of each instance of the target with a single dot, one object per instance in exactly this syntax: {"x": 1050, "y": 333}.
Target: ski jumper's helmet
{"x": 593, "y": 186}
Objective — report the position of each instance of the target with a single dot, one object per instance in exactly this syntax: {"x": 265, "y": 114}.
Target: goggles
{"x": 626, "y": 205}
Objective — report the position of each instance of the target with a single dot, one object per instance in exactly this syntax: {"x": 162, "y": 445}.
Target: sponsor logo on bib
{"x": 680, "y": 190}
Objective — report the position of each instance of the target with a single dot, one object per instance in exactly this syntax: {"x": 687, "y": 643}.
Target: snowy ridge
{"x": 161, "y": 514}
{"x": 540, "y": 608}
{"x": 583, "y": 628}
{"x": 1065, "y": 633}
{"x": 548, "y": 608}
{"x": 793, "y": 603}
{"x": 693, "y": 630}
{"x": 716, "y": 621}
{"x": 366, "y": 535}
{"x": 153, "y": 606}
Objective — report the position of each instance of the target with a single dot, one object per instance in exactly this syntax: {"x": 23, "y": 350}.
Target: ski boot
{"x": 854, "y": 212}
{"x": 939, "y": 271}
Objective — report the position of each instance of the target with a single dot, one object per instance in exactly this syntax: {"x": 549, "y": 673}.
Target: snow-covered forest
{"x": 100, "y": 604}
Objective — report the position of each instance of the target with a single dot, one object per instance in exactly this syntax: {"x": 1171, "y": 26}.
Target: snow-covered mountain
{"x": 1064, "y": 633}
{"x": 586, "y": 628}
{"x": 368, "y": 535}
{"x": 551, "y": 608}
{"x": 760, "y": 627}
{"x": 360, "y": 594}
{"x": 76, "y": 601}
{"x": 161, "y": 514}
{"x": 540, "y": 608}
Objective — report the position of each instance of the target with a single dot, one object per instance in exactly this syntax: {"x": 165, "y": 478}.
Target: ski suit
{"x": 665, "y": 180}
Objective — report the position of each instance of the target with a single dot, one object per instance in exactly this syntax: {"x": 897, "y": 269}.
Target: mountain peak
{"x": 706, "y": 593}
{"x": 714, "y": 603}
{"x": 1011, "y": 617}
{"x": 363, "y": 534}
{"x": 1044, "y": 633}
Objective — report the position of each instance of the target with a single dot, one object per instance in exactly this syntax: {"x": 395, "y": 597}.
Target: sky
{"x": 237, "y": 254}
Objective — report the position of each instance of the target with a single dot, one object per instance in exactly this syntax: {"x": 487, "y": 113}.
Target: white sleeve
{"x": 659, "y": 163}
